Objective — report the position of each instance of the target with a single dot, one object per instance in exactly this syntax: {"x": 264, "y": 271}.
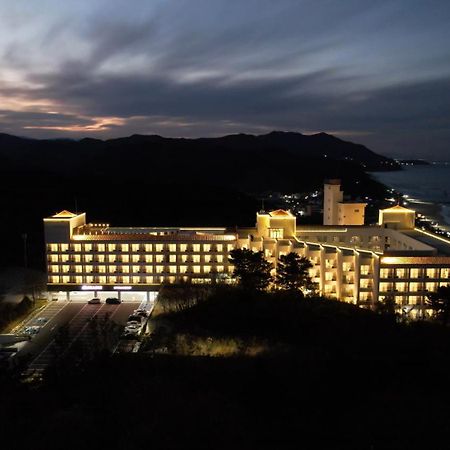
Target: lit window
{"x": 78, "y": 269}
{"x": 101, "y": 247}
{"x": 414, "y": 273}
{"x": 87, "y": 247}
{"x": 65, "y": 279}
{"x": 89, "y": 279}
{"x": 184, "y": 258}
{"x": 159, "y": 258}
{"x": 219, "y": 258}
{"x": 112, "y": 247}
{"x": 125, "y": 258}
{"x": 276, "y": 233}
{"x": 125, "y": 279}
{"x": 125, "y": 247}
{"x": 113, "y": 279}
{"x": 159, "y": 247}
{"x": 112, "y": 258}
{"x": 135, "y": 258}
{"x": 173, "y": 258}
{"x": 207, "y": 258}
{"x": 77, "y": 247}
{"x": 54, "y": 279}
{"x": 88, "y": 269}
{"x": 102, "y": 269}
{"x": 149, "y": 258}
{"x": 125, "y": 269}
{"x": 183, "y": 269}
{"x": 196, "y": 247}
{"x": 172, "y": 247}
{"x": 196, "y": 258}
{"x": 64, "y": 247}
{"x": 102, "y": 280}
{"x": 159, "y": 269}
{"x": 196, "y": 269}
{"x": 78, "y": 279}
{"x": 101, "y": 258}
{"x": 220, "y": 247}
{"x": 136, "y": 280}
{"x": 219, "y": 268}
{"x": 206, "y": 247}
{"x": 135, "y": 269}
{"x": 173, "y": 269}
{"x": 53, "y": 247}
{"x": 183, "y": 247}
{"x": 149, "y": 280}
{"x": 230, "y": 247}
{"x": 149, "y": 269}
{"x": 54, "y": 258}
{"x": 148, "y": 248}
{"x": 206, "y": 269}
{"x": 135, "y": 247}
{"x": 365, "y": 270}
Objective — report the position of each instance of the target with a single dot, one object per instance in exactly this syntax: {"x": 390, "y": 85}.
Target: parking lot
{"x": 76, "y": 318}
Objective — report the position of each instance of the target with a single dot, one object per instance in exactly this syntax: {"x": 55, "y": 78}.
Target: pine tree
{"x": 251, "y": 269}
{"x": 293, "y": 273}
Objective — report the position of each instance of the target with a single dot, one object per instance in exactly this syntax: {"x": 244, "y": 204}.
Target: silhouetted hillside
{"x": 151, "y": 180}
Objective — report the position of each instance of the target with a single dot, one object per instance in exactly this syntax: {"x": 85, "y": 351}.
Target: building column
{"x": 356, "y": 285}
{"x": 322, "y": 270}
{"x": 376, "y": 279}
{"x": 339, "y": 273}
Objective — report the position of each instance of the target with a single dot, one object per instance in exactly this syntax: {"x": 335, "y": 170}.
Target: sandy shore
{"x": 430, "y": 210}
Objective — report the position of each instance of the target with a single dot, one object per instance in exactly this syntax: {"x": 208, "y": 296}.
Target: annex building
{"x": 352, "y": 262}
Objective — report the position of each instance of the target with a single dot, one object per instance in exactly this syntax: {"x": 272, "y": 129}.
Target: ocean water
{"x": 428, "y": 184}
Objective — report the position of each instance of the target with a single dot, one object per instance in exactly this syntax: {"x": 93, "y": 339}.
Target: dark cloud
{"x": 375, "y": 72}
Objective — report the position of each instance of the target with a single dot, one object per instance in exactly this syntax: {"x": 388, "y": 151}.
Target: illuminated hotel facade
{"x": 353, "y": 263}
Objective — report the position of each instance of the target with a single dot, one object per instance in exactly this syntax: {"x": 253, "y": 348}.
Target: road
{"x": 41, "y": 349}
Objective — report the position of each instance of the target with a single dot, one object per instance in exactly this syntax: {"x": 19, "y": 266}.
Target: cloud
{"x": 374, "y": 71}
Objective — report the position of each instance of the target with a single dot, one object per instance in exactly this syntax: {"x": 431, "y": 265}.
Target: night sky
{"x": 374, "y": 72}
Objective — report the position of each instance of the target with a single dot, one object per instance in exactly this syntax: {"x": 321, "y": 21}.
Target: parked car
{"x": 135, "y": 318}
{"x": 94, "y": 301}
{"x": 113, "y": 301}
{"x": 32, "y": 330}
{"x": 42, "y": 320}
{"x": 141, "y": 312}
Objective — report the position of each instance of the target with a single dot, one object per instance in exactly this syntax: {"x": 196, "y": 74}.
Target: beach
{"x": 426, "y": 189}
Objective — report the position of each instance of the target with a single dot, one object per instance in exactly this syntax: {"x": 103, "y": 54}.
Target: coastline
{"x": 432, "y": 211}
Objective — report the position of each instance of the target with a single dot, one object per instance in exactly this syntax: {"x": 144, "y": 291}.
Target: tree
{"x": 251, "y": 269}
{"x": 439, "y": 302}
{"x": 293, "y": 273}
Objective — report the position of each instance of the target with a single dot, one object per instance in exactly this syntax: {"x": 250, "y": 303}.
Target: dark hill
{"x": 152, "y": 180}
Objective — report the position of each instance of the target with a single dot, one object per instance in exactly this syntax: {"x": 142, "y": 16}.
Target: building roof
{"x": 280, "y": 213}
{"x": 64, "y": 214}
{"x": 398, "y": 208}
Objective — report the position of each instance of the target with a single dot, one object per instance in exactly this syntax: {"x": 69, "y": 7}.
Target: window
{"x": 219, "y": 258}
{"x": 64, "y": 247}
{"x": 365, "y": 269}
{"x": 125, "y": 269}
{"x": 196, "y": 247}
{"x": 78, "y": 269}
{"x": 149, "y": 280}
{"x": 196, "y": 269}
{"x": 196, "y": 258}
{"x": 276, "y": 233}
{"x": 125, "y": 279}
{"x": 102, "y": 269}
{"x": 159, "y": 247}
{"x": 112, "y": 258}
{"x": 206, "y": 247}
{"x": 77, "y": 247}
{"x": 173, "y": 258}
{"x": 125, "y": 258}
{"x": 220, "y": 247}
{"x": 54, "y": 258}
{"x": 159, "y": 269}
{"x": 206, "y": 269}
{"x": 173, "y": 269}
{"x": 125, "y": 247}
{"x": 53, "y": 247}
{"x": 207, "y": 258}
{"x": 135, "y": 247}
{"x": 79, "y": 279}
{"x": 88, "y": 269}
{"x": 65, "y": 279}
{"x": 102, "y": 279}
{"x": 183, "y": 269}
{"x": 135, "y": 280}
{"x": 414, "y": 273}
{"x": 148, "y": 248}
{"x": 101, "y": 247}
{"x": 183, "y": 247}
{"x": 135, "y": 269}
{"x": 112, "y": 247}
{"x": 149, "y": 269}
{"x": 230, "y": 247}
{"x": 219, "y": 268}
{"x": 135, "y": 258}
{"x": 172, "y": 248}
{"x": 101, "y": 258}
{"x": 149, "y": 258}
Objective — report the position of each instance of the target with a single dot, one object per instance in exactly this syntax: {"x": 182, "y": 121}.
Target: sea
{"x": 424, "y": 185}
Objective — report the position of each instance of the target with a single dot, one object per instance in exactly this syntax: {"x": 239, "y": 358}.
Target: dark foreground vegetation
{"x": 305, "y": 373}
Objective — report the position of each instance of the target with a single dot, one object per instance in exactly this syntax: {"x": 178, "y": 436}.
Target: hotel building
{"x": 352, "y": 262}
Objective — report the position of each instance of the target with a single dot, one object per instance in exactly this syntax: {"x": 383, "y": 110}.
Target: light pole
{"x": 25, "y": 257}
